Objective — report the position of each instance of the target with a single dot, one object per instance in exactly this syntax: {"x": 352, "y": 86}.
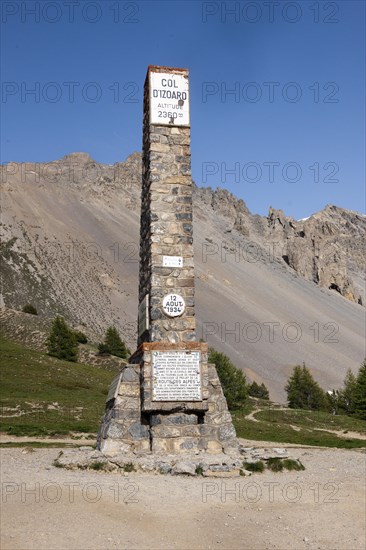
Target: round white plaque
{"x": 173, "y": 305}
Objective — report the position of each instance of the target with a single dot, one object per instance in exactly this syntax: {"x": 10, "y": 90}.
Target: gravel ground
{"x": 44, "y": 507}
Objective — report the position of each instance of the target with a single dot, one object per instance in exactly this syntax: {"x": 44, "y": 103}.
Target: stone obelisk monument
{"x": 168, "y": 399}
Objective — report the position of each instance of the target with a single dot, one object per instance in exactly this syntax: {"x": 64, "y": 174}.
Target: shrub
{"x": 80, "y": 337}
{"x": 98, "y": 465}
{"x": 291, "y": 464}
{"x": 129, "y": 467}
{"x": 254, "y": 466}
{"x": 275, "y": 464}
{"x": 29, "y": 308}
{"x": 232, "y": 379}
{"x": 61, "y": 342}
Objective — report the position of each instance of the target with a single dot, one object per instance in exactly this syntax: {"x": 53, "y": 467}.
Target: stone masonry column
{"x": 166, "y": 234}
{"x": 169, "y": 398}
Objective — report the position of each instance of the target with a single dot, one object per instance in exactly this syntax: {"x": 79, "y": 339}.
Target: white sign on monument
{"x": 169, "y": 99}
{"x": 173, "y": 305}
{"x": 176, "y": 376}
{"x": 172, "y": 261}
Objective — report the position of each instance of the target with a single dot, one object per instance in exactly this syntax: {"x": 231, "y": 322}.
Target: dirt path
{"x": 50, "y": 508}
{"x": 5, "y": 438}
{"x": 251, "y": 417}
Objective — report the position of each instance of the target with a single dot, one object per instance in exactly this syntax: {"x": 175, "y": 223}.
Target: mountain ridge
{"x": 70, "y": 232}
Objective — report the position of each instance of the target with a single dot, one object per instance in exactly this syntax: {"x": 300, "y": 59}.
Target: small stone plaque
{"x": 172, "y": 261}
{"x": 114, "y": 387}
{"x": 173, "y": 305}
{"x": 176, "y": 376}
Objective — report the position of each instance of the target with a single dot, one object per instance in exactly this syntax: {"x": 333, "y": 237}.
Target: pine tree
{"x": 303, "y": 392}
{"x": 260, "y": 391}
{"x": 113, "y": 344}
{"x": 295, "y": 396}
{"x": 232, "y": 379}
{"x": 347, "y": 395}
{"x": 61, "y": 342}
{"x": 360, "y": 392}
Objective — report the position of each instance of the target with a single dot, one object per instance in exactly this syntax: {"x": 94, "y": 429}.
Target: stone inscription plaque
{"x": 176, "y": 376}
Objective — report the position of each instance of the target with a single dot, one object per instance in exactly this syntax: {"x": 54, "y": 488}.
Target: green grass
{"x": 98, "y": 466}
{"x": 54, "y": 397}
{"x": 129, "y": 467}
{"x": 254, "y": 466}
{"x": 50, "y": 397}
{"x": 313, "y": 419}
{"x": 275, "y": 464}
{"x": 291, "y": 464}
{"x": 275, "y": 425}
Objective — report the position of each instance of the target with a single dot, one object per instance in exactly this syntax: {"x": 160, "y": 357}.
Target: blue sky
{"x": 292, "y": 135}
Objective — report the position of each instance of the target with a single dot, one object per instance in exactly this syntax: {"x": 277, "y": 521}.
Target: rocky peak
{"x": 81, "y": 157}
{"x": 325, "y": 248}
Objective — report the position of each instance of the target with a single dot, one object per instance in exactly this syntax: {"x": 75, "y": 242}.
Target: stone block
{"x": 186, "y": 444}
{"x": 164, "y": 431}
{"x": 125, "y": 415}
{"x": 212, "y": 407}
{"x": 227, "y": 432}
{"x": 175, "y": 431}
{"x": 160, "y": 445}
{"x": 113, "y": 447}
{"x": 163, "y": 467}
{"x": 232, "y": 473}
{"x": 138, "y": 431}
{"x": 219, "y": 418}
{"x": 174, "y": 445}
{"x": 114, "y": 430}
{"x": 214, "y": 446}
{"x": 159, "y": 147}
{"x": 130, "y": 374}
{"x": 141, "y": 445}
{"x": 208, "y": 430}
{"x": 231, "y": 447}
{"x": 175, "y": 180}
{"x": 129, "y": 389}
{"x": 173, "y": 419}
{"x": 209, "y": 445}
{"x": 189, "y": 337}
{"x": 185, "y": 468}
{"x": 128, "y": 403}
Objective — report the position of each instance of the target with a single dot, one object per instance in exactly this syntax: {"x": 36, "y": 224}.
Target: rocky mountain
{"x": 270, "y": 291}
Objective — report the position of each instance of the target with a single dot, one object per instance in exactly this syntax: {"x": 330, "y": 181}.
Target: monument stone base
{"x": 134, "y": 423}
